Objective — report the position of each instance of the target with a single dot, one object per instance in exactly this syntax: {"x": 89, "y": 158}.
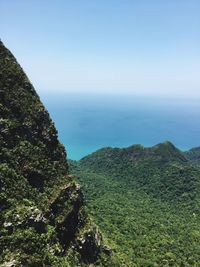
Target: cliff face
{"x": 42, "y": 218}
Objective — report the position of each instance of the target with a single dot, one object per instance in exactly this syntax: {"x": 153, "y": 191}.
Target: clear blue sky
{"x": 127, "y": 46}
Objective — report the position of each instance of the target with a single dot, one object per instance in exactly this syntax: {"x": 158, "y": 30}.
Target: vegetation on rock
{"x": 42, "y": 217}
{"x": 193, "y": 155}
{"x": 145, "y": 200}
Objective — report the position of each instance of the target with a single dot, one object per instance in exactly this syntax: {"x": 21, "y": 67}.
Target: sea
{"x": 88, "y": 122}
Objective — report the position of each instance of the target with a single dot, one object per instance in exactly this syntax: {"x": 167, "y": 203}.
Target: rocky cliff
{"x": 42, "y": 217}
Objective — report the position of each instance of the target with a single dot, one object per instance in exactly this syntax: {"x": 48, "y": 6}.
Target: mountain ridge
{"x": 165, "y": 150}
{"x": 193, "y": 155}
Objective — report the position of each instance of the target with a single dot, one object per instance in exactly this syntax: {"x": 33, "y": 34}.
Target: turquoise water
{"x": 86, "y": 123}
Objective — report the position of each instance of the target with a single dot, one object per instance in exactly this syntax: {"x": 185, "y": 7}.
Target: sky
{"x": 138, "y": 47}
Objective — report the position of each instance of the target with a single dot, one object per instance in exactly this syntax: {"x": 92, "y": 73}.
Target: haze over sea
{"x": 87, "y": 122}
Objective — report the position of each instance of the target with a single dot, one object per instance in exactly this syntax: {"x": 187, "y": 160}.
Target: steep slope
{"x": 42, "y": 218}
{"x": 146, "y": 201}
{"x": 193, "y": 155}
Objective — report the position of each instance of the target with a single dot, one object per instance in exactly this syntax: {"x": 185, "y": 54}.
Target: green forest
{"x": 43, "y": 221}
{"x": 146, "y": 203}
{"x": 137, "y": 207}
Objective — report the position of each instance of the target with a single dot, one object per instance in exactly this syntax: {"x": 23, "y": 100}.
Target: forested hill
{"x": 162, "y": 170}
{"x": 161, "y": 152}
{"x": 146, "y": 201}
{"x": 193, "y": 155}
{"x": 42, "y": 217}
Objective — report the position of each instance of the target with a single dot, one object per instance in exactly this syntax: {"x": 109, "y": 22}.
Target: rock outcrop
{"x": 42, "y": 217}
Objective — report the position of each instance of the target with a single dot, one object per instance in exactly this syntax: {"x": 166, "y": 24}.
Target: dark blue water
{"x": 86, "y": 123}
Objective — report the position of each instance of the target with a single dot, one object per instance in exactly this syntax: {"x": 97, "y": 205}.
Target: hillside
{"x": 193, "y": 155}
{"x": 42, "y": 216}
{"x": 146, "y": 201}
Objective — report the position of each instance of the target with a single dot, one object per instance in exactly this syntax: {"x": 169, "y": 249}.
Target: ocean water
{"x": 86, "y": 122}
